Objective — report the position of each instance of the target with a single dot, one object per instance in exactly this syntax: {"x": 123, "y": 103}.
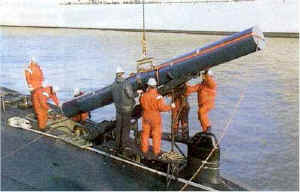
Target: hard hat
{"x": 119, "y": 70}
{"x": 76, "y": 91}
{"x": 56, "y": 88}
{"x": 33, "y": 59}
{"x": 152, "y": 82}
{"x": 210, "y": 73}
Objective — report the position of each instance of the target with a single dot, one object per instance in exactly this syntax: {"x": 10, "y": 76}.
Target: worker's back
{"x": 151, "y": 101}
{"x": 207, "y": 91}
{"x": 122, "y": 95}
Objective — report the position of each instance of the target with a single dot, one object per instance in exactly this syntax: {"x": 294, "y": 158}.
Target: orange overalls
{"x": 34, "y": 76}
{"x": 81, "y": 116}
{"x": 40, "y": 106}
{"x": 152, "y": 104}
{"x": 181, "y": 110}
{"x": 206, "y": 99}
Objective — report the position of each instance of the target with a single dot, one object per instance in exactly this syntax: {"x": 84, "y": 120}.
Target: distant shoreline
{"x": 266, "y": 34}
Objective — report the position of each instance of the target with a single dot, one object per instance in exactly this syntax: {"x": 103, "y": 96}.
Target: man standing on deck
{"x": 35, "y": 79}
{"x": 152, "y": 104}
{"x": 123, "y": 98}
{"x": 206, "y": 98}
{"x": 39, "y": 93}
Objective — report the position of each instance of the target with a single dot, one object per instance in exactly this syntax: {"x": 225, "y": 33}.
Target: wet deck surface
{"x": 32, "y": 162}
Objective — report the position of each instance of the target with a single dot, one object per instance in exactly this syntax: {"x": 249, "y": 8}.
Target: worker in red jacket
{"x": 206, "y": 98}
{"x": 81, "y": 116}
{"x": 152, "y": 104}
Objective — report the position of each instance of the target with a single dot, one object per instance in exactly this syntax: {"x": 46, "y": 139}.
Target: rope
{"x": 197, "y": 185}
{"x": 172, "y": 156}
{"x": 225, "y": 129}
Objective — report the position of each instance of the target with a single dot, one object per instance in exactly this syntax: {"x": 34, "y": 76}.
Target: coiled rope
{"x": 172, "y": 156}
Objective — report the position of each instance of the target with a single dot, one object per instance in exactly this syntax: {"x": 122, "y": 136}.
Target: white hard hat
{"x": 152, "y": 82}
{"x": 119, "y": 70}
{"x": 33, "y": 59}
{"x": 210, "y": 73}
{"x": 76, "y": 91}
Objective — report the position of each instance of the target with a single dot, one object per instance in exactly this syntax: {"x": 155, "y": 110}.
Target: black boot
{"x": 208, "y": 129}
{"x": 185, "y": 132}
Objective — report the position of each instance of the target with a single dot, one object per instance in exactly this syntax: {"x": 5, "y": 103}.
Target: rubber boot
{"x": 208, "y": 129}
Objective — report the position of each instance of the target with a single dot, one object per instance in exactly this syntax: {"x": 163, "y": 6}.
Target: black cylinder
{"x": 226, "y": 49}
{"x": 199, "y": 149}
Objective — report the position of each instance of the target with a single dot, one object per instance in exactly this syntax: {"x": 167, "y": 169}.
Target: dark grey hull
{"x": 33, "y": 161}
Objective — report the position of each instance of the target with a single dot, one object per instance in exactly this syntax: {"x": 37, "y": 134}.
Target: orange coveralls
{"x": 152, "y": 104}
{"x": 206, "y": 99}
{"x": 34, "y": 76}
{"x": 81, "y": 116}
{"x": 40, "y": 106}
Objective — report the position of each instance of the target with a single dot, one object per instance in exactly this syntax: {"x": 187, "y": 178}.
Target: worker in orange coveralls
{"x": 152, "y": 104}
{"x": 34, "y": 75}
{"x": 40, "y": 97}
{"x": 39, "y": 92}
{"x": 181, "y": 112}
{"x": 81, "y": 116}
{"x": 40, "y": 106}
{"x": 206, "y": 98}
{"x": 35, "y": 79}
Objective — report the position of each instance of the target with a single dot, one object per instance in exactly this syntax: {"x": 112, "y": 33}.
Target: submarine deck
{"x": 30, "y": 161}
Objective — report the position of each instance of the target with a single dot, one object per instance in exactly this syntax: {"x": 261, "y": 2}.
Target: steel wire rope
{"x": 221, "y": 137}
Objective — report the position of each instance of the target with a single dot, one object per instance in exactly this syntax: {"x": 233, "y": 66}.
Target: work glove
{"x": 132, "y": 121}
{"x": 139, "y": 91}
{"x": 173, "y": 105}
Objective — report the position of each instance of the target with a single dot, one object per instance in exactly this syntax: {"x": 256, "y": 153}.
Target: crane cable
{"x": 225, "y": 129}
{"x": 144, "y": 45}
